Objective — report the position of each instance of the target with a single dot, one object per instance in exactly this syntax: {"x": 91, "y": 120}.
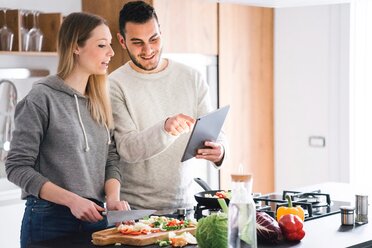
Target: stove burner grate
{"x": 315, "y": 204}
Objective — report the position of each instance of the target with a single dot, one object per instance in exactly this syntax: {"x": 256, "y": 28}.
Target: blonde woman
{"x": 62, "y": 154}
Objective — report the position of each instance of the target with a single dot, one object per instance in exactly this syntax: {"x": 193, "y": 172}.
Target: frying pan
{"x": 208, "y": 202}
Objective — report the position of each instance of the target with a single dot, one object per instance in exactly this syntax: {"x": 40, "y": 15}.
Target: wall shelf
{"x": 29, "y": 53}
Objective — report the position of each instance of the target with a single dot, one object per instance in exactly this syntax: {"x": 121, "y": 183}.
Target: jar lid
{"x": 241, "y": 177}
{"x": 347, "y": 209}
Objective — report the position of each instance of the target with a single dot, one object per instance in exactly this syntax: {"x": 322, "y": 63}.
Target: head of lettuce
{"x": 211, "y": 231}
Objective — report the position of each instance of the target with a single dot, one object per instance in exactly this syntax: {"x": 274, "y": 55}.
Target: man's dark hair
{"x": 137, "y": 12}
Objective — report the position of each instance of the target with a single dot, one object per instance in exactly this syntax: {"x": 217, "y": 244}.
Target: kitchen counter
{"x": 328, "y": 231}
{"x": 321, "y": 232}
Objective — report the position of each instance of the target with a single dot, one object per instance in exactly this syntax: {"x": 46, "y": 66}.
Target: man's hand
{"x": 117, "y": 205}
{"x": 179, "y": 124}
{"x": 213, "y": 152}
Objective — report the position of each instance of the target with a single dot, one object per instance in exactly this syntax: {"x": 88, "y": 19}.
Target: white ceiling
{"x": 284, "y": 3}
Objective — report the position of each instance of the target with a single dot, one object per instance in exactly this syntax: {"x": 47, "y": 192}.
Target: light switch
{"x": 317, "y": 141}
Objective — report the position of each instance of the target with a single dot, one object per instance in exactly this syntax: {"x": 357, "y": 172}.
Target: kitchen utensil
{"x": 8, "y": 101}
{"x": 113, "y": 236}
{"x": 125, "y": 215}
{"x": 361, "y": 206}
{"x": 204, "y": 200}
{"x": 202, "y": 184}
{"x": 347, "y": 215}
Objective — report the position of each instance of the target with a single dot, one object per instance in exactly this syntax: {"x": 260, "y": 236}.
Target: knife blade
{"x": 115, "y": 216}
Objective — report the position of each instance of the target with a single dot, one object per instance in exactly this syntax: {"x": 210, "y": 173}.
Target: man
{"x": 155, "y": 101}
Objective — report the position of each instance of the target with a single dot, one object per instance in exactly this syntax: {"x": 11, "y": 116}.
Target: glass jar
{"x": 242, "y": 214}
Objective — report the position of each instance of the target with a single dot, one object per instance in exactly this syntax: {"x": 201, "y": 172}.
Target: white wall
{"x": 311, "y": 94}
{"x": 65, "y": 7}
{"x": 361, "y": 95}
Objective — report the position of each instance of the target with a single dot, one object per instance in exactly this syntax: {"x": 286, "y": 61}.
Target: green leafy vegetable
{"x": 163, "y": 243}
{"x": 211, "y": 231}
{"x": 223, "y": 205}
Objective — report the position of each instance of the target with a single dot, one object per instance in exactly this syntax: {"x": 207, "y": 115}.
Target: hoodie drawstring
{"x": 82, "y": 127}
{"x": 81, "y": 124}
{"x": 108, "y": 135}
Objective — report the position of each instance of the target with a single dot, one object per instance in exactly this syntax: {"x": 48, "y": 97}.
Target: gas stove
{"x": 315, "y": 204}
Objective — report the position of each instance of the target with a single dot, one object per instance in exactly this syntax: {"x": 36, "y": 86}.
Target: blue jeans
{"x": 45, "y": 220}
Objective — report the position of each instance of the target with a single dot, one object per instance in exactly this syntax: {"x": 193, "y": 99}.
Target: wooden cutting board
{"x": 113, "y": 236}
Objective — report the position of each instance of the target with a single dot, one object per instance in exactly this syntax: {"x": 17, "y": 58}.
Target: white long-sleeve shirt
{"x": 153, "y": 176}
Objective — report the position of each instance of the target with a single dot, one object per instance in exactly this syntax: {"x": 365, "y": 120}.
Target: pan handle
{"x": 202, "y": 184}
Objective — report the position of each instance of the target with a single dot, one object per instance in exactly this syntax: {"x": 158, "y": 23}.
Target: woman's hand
{"x": 86, "y": 210}
{"x": 81, "y": 208}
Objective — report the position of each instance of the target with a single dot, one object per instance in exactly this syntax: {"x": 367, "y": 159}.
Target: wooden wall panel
{"x": 188, "y": 26}
{"x": 110, "y": 11}
{"x": 246, "y": 83}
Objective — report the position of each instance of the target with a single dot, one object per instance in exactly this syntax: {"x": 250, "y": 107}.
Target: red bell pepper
{"x": 291, "y": 226}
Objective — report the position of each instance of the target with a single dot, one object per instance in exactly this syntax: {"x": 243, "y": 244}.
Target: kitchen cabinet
{"x": 312, "y": 92}
{"x": 12, "y": 208}
{"x": 187, "y": 26}
{"x": 246, "y": 83}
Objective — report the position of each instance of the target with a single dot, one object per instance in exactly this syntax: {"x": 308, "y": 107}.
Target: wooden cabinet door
{"x": 110, "y": 11}
{"x": 246, "y": 83}
{"x": 187, "y": 26}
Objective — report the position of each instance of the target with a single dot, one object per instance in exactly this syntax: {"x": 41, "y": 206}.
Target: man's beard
{"x": 139, "y": 65}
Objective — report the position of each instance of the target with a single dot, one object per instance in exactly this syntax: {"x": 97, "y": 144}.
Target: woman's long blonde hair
{"x": 75, "y": 30}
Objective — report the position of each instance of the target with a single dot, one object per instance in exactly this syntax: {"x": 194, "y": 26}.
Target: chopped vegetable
{"x": 291, "y": 226}
{"x": 219, "y": 194}
{"x": 223, "y": 205}
{"x": 299, "y": 211}
{"x": 268, "y": 229}
{"x": 163, "y": 243}
{"x": 178, "y": 241}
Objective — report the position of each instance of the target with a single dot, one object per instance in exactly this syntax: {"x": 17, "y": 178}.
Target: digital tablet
{"x": 206, "y": 127}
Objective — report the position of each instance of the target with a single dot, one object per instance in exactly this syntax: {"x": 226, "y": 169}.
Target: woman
{"x": 62, "y": 155}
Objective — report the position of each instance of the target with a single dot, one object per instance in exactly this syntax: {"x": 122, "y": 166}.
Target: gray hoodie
{"x": 55, "y": 139}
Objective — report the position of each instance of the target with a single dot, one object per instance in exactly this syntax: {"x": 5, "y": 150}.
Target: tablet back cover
{"x": 207, "y": 127}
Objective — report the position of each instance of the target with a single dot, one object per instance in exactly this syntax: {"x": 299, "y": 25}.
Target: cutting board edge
{"x": 99, "y": 238}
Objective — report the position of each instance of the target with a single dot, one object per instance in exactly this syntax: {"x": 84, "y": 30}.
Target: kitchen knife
{"x": 116, "y": 216}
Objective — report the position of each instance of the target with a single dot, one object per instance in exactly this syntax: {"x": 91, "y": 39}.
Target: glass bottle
{"x": 242, "y": 214}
